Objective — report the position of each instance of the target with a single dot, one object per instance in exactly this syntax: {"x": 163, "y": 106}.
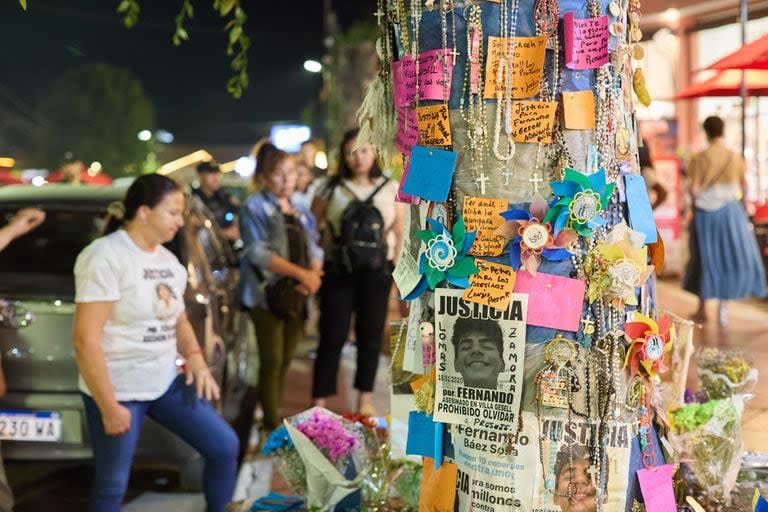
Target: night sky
{"x": 185, "y": 84}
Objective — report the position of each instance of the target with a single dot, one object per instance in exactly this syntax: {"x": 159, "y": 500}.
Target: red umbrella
{"x": 728, "y": 83}
{"x": 750, "y": 56}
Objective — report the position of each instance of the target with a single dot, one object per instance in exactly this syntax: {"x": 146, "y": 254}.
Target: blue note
{"x": 640, "y": 212}
{"x": 762, "y": 505}
{"x": 430, "y": 173}
{"x": 421, "y": 435}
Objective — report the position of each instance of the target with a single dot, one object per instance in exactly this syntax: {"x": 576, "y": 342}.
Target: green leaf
{"x": 189, "y": 9}
{"x": 240, "y": 15}
{"x": 123, "y": 7}
{"x": 23, "y": 4}
{"x": 226, "y": 6}
{"x": 182, "y": 33}
{"x": 234, "y": 34}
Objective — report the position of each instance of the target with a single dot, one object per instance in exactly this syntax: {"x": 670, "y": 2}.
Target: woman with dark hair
{"x": 725, "y": 261}
{"x": 281, "y": 266}
{"x": 363, "y": 234}
{"x": 126, "y": 354}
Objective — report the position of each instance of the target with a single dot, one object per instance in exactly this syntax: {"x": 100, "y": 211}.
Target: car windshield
{"x": 40, "y": 264}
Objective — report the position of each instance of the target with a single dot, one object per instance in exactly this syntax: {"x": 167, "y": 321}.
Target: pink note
{"x": 432, "y": 79}
{"x": 657, "y": 488}
{"x": 401, "y": 196}
{"x": 553, "y": 301}
{"x": 586, "y": 41}
{"x": 407, "y": 129}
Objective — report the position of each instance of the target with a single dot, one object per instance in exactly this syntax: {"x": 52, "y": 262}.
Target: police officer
{"x": 223, "y": 206}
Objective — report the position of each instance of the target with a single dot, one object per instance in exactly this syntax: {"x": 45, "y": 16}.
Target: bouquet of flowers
{"x": 286, "y": 460}
{"x": 333, "y": 452}
{"x": 707, "y": 436}
{"x": 725, "y": 373}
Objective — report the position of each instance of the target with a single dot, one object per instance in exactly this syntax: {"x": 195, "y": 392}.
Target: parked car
{"x": 42, "y": 415}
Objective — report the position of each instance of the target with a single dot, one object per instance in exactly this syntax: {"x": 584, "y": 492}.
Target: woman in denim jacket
{"x": 265, "y": 220}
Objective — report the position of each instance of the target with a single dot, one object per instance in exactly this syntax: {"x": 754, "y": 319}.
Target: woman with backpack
{"x": 362, "y": 230}
{"x": 281, "y": 266}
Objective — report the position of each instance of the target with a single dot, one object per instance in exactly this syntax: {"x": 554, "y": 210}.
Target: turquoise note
{"x": 430, "y": 173}
{"x": 639, "y": 206}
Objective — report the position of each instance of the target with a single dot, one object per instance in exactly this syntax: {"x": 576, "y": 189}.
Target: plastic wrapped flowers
{"x": 708, "y": 438}
{"x": 279, "y": 447}
{"x": 725, "y": 373}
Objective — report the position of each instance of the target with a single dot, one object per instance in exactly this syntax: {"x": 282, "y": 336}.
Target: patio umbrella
{"x": 750, "y": 56}
{"x": 728, "y": 83}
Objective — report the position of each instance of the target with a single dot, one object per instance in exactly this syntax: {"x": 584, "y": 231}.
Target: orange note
{"x": 438, "y": 487}
{"x": 525, "y": 57}
{"x": 483, "y": 214}
{"x": 434, "y": 125}
{"x": 533, "y": 121}
{"x": 492, "y": 286}
{"x": 579, "y": 110}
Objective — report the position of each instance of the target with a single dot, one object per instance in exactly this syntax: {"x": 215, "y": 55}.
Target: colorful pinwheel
{"x": 649, "y": 341}
{"x": 445, "y": 257}
{"x": 579, "y": 202}
{"x": 530, "y": 240}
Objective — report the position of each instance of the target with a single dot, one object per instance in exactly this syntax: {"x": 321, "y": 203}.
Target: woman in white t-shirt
{"x": 129, "y": 326}
{"x": 360, "y": 247}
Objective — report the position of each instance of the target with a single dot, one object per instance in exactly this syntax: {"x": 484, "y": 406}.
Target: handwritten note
{"x": 434, "y": 81}
{"x": 483, "y": 214}
{"x": 434, "y": 125}
{"x": 657, "y": 488}
{"x": 492, "y": 286}
{"x": 586, "y": 41}
{"x": 430, "y": 173}
{"x": 533, "y": 121}
{"x": 437, "y": 492}
{"x": 521, "y": 59}
{"x": 407, "y": 130}
{"x": 579, "y": 110}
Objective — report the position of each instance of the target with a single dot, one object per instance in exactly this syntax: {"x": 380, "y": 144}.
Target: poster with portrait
{"x": 480, "y": 355}
{"x": 567, "y": 462}
{"x": 496, "y": 470}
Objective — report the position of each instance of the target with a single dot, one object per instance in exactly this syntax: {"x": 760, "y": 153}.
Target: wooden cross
{"x": 507, "y": 173}
{"x": 379, "y": 14}
{"x": 481, "y": 180}
{"x": 536, "y": 180}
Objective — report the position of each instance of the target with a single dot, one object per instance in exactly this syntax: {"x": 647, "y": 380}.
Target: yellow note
{"x": 418, "y": 383}
{"x": 579, "y": 110}
{"x": 438, "y": 487}
{"x": 533, "y": 121}
{"x": 434, "y": 125}
{"x": 526, "y": 57}
{"x": 492, "y": 286}
{"x": 483, "y": 214}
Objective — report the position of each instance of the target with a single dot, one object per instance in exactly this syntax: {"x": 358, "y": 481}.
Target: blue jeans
{"x": 180, "y": 411}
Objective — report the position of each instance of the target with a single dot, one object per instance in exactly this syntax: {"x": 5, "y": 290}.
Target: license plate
{"x": 42, "y": 426}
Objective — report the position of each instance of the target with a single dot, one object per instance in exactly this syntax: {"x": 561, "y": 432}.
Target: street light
{"x": 145, "y": 135}
{"x": 313, "y": 66}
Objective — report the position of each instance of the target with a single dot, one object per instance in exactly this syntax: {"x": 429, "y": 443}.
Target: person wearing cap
{"x": 223, "y": 206}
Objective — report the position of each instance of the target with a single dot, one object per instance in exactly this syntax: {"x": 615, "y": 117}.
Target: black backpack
{"x": 362, "y": 244}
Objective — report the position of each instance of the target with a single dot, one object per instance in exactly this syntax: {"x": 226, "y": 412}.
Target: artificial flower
{"x": 649, "y": 341}
{"x": 618, "y": 266}
{"x": 445, "y": 257}
{"x": 530, "y": 239}
{"x": 579, "y": 202}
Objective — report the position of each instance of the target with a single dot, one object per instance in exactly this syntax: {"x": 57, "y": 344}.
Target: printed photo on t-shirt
{"x": 166, "y": 303}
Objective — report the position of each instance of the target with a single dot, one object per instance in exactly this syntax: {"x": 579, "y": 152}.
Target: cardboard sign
{"x": 525, "y": 57}
{"x": 483, "y": 214}
{"x": 579, "y": 110}
{"x": 434, "y": 125}
{"x": 430, "y": 173}
{"x": 407, "y": 130}
{"x": 533, "y": 121}
{"x": 492, "y": 286}
{"x": 434, "y": 79}
{"x": 586, "y": 41}
{"x": 549, "y": 293}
